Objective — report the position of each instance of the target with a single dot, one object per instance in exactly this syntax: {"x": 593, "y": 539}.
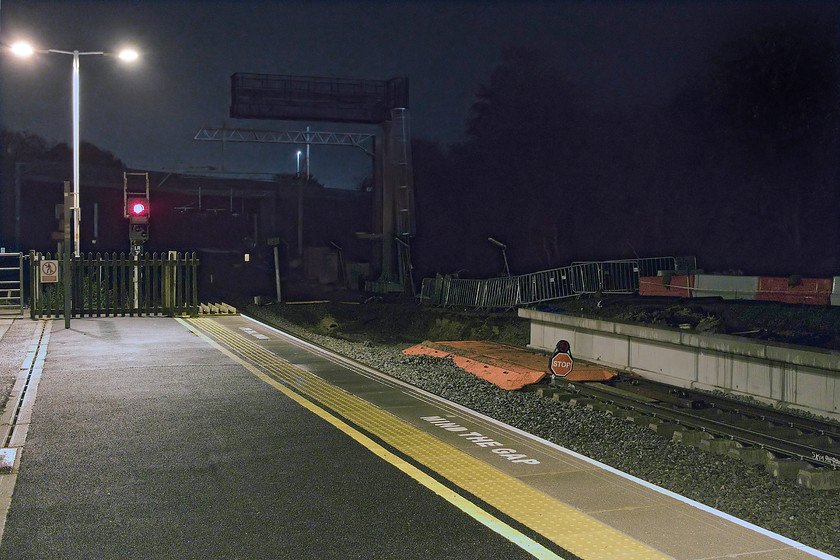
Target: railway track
{"x": 788, "y": 445}
{"x": 761, "y": 433}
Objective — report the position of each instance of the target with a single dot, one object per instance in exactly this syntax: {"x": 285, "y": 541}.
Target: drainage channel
{"x": 14, "y": 423}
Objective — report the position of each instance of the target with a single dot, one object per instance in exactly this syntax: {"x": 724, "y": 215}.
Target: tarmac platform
{"x": 223, "y": 438}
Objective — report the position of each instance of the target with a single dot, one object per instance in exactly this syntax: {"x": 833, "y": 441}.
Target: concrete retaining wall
{"x": 726, "y": 287}
{"x": 782, "y": 375}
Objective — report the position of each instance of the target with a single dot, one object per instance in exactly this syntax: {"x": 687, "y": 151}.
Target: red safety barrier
{"x": 813, "y": 291}
{"x": 673, "y": 286}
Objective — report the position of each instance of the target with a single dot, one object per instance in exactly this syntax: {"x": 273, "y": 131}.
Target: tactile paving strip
{"x": 569, "y": 528}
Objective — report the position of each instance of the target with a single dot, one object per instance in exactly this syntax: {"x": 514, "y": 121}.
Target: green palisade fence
{"x": 114, "y": 284}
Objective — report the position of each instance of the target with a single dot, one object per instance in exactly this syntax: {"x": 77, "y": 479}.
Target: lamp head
{"x": 22, "y": 49}
{"x": 128, "y": 55}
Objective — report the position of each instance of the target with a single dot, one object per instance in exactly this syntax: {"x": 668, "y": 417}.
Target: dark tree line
{"x": 26, "y": 148}
{"x": 740, "y": 169}
{"x": 24, "y": 154}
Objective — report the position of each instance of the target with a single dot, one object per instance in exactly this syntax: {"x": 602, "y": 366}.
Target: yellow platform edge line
{"x": 526, "y": 543}
{"x": 578, "y": 533}
{"x": 568, "y": 527}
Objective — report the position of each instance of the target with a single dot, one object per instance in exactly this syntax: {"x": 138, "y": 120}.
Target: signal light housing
{"x": 563, "y": 346}
{"x": 137, "y": 210}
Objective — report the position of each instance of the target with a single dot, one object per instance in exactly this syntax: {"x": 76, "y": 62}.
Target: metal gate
{"x": 112, "y": 285}
{"x": 11, "y": 283}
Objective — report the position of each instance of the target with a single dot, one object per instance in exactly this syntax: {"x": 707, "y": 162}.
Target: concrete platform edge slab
{"x": 16, "y": 426}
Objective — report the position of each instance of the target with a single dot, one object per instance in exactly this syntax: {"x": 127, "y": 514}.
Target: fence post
{"x": 183, "y": 287}
{"x": 135, "y": 282}
{"x": 33, "y": 284}
{"x": 20, "y": 280}
{"x": 145, "y": 272}
{"x": 193, "y": 309}
{"x": 108, "y": 282}
{"x": 125, "y": 287}
{"x": 169, "y": 284}
{"x": 445, "y": 292}
{"x": 157, "y": 280}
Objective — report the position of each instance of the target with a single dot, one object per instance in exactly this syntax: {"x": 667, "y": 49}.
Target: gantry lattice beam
{"x": 356, "y": 139}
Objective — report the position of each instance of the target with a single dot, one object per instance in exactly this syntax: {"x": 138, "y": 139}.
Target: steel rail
{"x": 668, "y": 412}
{"x": 747, "y": 409}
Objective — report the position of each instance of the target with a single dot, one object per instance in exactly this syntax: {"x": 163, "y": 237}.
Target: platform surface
{"x": 222, "y": 438}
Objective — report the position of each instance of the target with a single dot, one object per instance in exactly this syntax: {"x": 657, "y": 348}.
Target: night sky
{"x": 617, "y": 54}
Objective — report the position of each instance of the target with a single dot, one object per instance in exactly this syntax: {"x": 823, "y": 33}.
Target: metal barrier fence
{"x": 622, "y": 276}
{"x": 11, "y": 283}
{"x": 115, "y": 285}
{"x": 606, "y": 277}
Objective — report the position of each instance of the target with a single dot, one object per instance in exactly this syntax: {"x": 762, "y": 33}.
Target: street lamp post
{"x": 23, "y": 49}
{"x": 503, "y": 247}
{"x": 77, "y": 210}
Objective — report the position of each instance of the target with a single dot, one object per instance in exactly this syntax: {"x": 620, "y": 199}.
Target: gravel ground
{"x": 750, "y": 493}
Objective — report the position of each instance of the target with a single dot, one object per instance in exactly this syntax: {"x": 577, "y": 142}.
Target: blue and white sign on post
{"x": 48, "y": 271}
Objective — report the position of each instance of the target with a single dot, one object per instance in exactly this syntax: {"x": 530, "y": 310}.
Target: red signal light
{"x": 562, "y": 346}
{"x": 138, "y": 208}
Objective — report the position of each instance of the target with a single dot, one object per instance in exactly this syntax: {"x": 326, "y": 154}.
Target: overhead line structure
{"x": 324, "y": 138}
{"x": 383, "y": 103}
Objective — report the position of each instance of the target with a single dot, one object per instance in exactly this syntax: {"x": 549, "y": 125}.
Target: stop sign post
{"x": 561, "y": 362}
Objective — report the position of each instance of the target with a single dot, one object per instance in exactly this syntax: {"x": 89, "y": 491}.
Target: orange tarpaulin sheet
{"x": 506, "y": 366}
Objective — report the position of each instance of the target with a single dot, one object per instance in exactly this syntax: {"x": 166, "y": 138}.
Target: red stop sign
{"x": 561, "y": 364}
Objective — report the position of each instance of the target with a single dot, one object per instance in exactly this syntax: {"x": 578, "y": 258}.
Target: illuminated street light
{"x": 24, "y": 50}
{"x": 298, "y": 162}
{"x": 128, "y": 55}
{"x": 503, "y": 247}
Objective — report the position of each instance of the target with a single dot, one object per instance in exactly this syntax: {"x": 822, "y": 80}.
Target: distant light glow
{"x": 128, "y": 55}
{"x": 138, "y": 208}
{"x": 22, "y": 49}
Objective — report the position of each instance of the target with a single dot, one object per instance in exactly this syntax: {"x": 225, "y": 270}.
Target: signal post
{"x": 561, "y": 362}
{"x": 136, "y": 209}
